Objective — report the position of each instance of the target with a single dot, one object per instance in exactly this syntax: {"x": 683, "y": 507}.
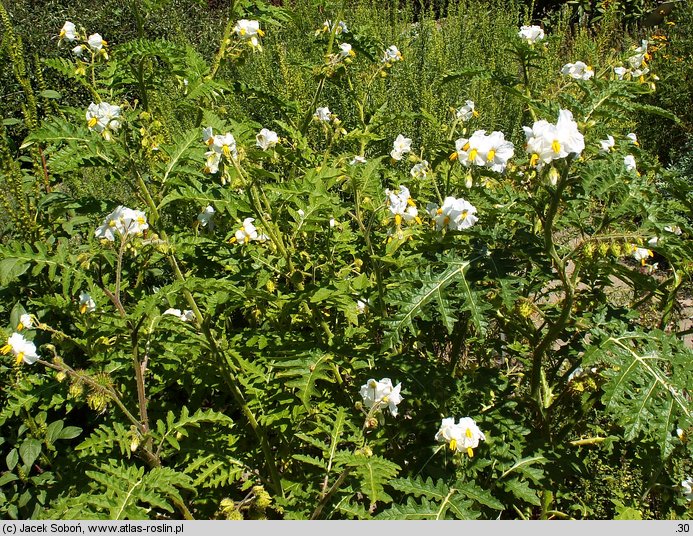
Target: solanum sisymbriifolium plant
{"x": 307, "y": 317}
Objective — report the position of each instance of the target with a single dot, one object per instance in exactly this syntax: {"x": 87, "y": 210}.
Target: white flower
{"x": 172, "y": 312}
{"x": 357, "y": 160}
{"x": 578, "y": 70}
{"x": 78, "y": 50}
{"x": 637, "y": 61}
{"x": 455, "y": 214}
{"x": 620, "y": 72}
{"x": 266, "y": 139}
{"x": 225, "y": 145}
{"x": 401, "y": 205}
{"x": 392, "y": 54}
{"x": 468, "y": 150}
{"x": 333, "y": 222}
{"x": 68, "y": 32}
{"x": 629, "y": 162}
{"x": 123, "y": 221}
{"x": 247, "y": 29}
{"x": 327, "y": 27}
{"x": 547, "y": 142}
{"x": 400, "y": 146}
{"x": 248, "y": 232}
{"x": 205, "y": 217}
{"x": 633, "y": 138}
{"x": 25, "y": 322}
{"x": 96, "y": 43}
{"x": 323, "y": 114}
{"x": 641, "y": 254}
{"x": 212, "y": 162}
{"x": 345, "y": 51}
{"x": 466, "y": 112}
{"x": 361, "y": 306}
{"x": 185, "y": 316}
{"x": 208, "y": 135}
{"x": 22, "y": 349}
{"x": 687, "y": 485}
{"x": 381, "y": 393}
{"x": 607, "y": 144}
{"x": 531, "y": 34}
{"x": 653, "y": 241}
{"x": 465, "y": 435}
{"x": 86, "y": 303}
{"x": 674, "y": 229}
{"x": 103, "y": 118}
{"x": 420, "y": 170}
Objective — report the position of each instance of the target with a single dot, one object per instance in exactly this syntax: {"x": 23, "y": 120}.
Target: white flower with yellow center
{"x": 103, "y": 118}
{"x": 248, "y": 232}
{"x": 25, "y": 322}
{"x": 323, "y": 114}
{"x": 205, "y": 217}
{"x": 466, "y": 112}
{"x": 633, "y": 138}
{"x": 345, "y": 51}
{"x": 460, "y": 437}
{"x": 641, "y": 254}
{"x": 225, "y": 145}
{"x": 68, "y": 32}
{"x": 578, "y": 70}
{"x": 381, "y": 393}
{"x": 638, "y": 60}
{"x": 620, "y": 72}
{"x": 266, "y": 139}
{"x": 86, "y": 303}
{"x": 357, "y": 160}
{"x": 400, "y": 147}
{"x": 497, "y": 151}
{"x": 22, "y": 349}
{"x": 531, "y": 34}
{"x": 402, "y": 206}
{"x": 212, "y": 161}
{"x": 79, "y": 50}
{"x": 674, "y": 229}
{"x": 392, "y": 54}
{"x": 455, "y": 214}
{"x": 547, "y": 142}
{"x": 208, "y": 135}
{"x": 123, "y": 221}
{"x": 420, "y": 170}
{"x": 607, "y": 144}
{"x": 185, "y": 316}
{"x": 246, "y": 29}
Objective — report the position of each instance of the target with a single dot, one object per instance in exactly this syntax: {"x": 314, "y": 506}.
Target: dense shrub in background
{"x": 376, "y": 269}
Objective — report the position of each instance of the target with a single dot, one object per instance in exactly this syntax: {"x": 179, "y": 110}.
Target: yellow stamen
{"x": 534, "y": 160}
{"x": 439, "y": 211}
{"x": 261, "y": 33}
{"x": 410, "y": 202}
{"x": 20, "y": 326}
{"x": 83, "y": 308}
{"x": 418, "y": 220}
{"x": 470, "y": 452}
{"x": 141, "y": 220}
{"x": 464, "y": 215}
{"x": 246, "y": 239}
{"x": 468, "y": 433}
{"x": 466, "y": 147}
{"x": 446, "y": 220}
{"x": 225, "y": 149}
{"x": 242, "y": 32}
{"x": 20, "y": 358}
{"x": 472, "y": 154}
{"x": 232, "y": 240}
{"x": 475, "y": 113}
{"x": 453, "y": 444}
{"x": 556, "y": 146}
{"x": 6, "y": 349}
{"x": 92, "y": 122}
{"x": 398, "y": 220}
{"x": 491, "y": 155}
{"x": 642, "y": 262}
{"x": 453, "y": 156}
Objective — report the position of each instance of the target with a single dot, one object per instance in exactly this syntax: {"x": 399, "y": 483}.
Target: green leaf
{"x": 12, "y": 459}
{"x": 521, "y": 490}
{"x": 50, "y": 94}
{"x": 69, "y": 432}
{"x": 53, "y": 430}
{"x": 30, "y": 450}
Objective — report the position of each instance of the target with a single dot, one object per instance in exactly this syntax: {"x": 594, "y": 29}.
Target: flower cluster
{"x": 248, "y": 232}
{"x": 547, "y": 142}
{"x": 327, "y": 28}
{"x": 401, "y": 205}
{"x": 103, "y": 118}
{"x": 22, "y": 349}
{"x": 94, "y": 43}
{"x": 220, "y": 147}
{"x": 123, "y": 221}
{"x": 380, "y": 393}
{"x": 578, "y": 70}
{"x": 400, "y": 147}
{"x": 486, "y": 150}
{"x": 392, "y": 55}
{"x": 455, "y": 214}
{"x": 531, "y": 34}
{"x": 465, "y": 435}
{"x": 250, "y": 32}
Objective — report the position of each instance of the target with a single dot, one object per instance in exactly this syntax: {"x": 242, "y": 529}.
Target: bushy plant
{"x": 309, "y": 317}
